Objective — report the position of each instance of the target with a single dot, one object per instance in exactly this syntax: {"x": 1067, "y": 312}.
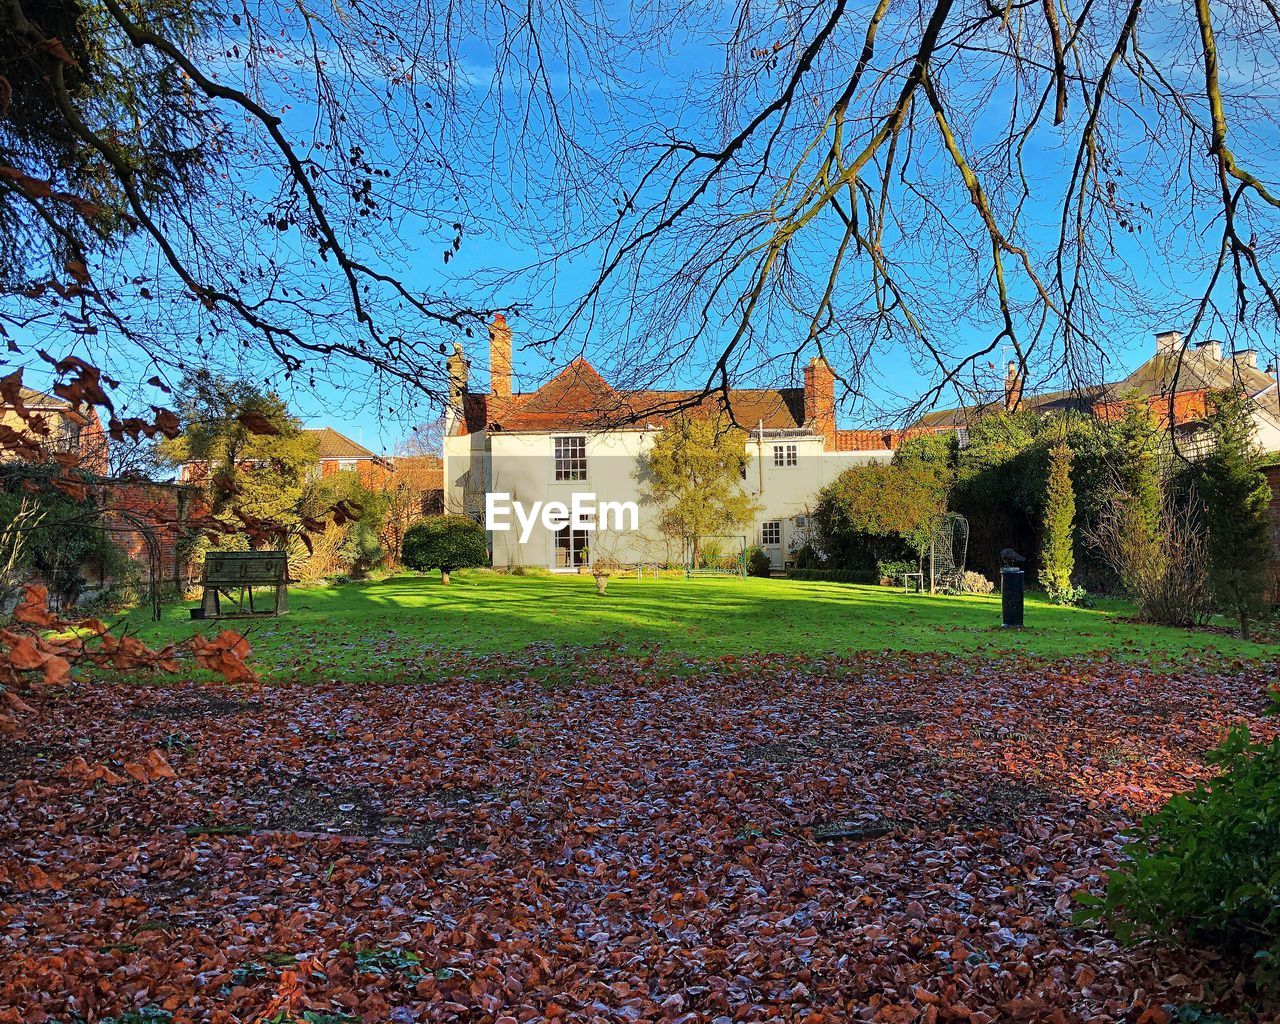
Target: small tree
{"x": 694, "y": 472}
{"x": 1057, "y": 556}
{"x": 446, "y": 543}
{"x": 252, "y": 454}
{"x": 1236, "y": 500}
{"x": 878, "y": 513}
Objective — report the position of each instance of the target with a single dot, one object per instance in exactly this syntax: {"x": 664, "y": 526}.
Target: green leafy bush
{"x": 1057, "y": 554}
{"x": 758, "y": 563}
{"x": 445, "y": 543}
{"x": 1205, "y": 868}
{"x": 893, "y": 569}
{"x": 808, "y": 557}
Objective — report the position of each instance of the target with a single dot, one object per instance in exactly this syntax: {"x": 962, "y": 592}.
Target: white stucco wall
{"x": 522, "y": 465}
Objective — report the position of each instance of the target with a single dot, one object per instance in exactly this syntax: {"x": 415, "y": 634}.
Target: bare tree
{"x": 239, "y": 186}
{"x": 922, "y": 174}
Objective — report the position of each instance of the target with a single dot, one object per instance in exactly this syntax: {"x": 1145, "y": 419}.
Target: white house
{"x": 577, "y": 434}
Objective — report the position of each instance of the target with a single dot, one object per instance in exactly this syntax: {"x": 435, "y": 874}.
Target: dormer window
{"x": 571, "y": 458}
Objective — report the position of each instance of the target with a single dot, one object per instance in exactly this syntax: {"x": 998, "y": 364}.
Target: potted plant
{"x": 602, "y": 569}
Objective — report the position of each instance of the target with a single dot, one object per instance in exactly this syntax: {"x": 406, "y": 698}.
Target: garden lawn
{"x": 397, "y": 626}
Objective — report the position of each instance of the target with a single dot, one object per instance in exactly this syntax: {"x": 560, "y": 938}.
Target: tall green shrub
{"x": 1236, "y": 500}
{"x": 1057, "y": 551}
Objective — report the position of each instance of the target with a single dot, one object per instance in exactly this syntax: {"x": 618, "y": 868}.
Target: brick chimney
{"x": 1211, "y": 348}
{"x": 1013, "y": 382}
{"x": 1168, "y": 342}
{"x": 499, "y": 357}
{"x": 1247, "y": 357}
{"x": 820, "y": 400}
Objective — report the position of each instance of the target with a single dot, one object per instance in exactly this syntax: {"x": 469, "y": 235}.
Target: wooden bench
{"x": 234, "y": 574}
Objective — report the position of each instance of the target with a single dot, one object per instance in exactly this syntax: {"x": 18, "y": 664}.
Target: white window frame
{"x": 774, "y": 526}
{"x": 785, "y": 456}
{"x": 570, "y": 458}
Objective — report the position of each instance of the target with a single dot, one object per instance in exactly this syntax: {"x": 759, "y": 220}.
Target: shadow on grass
{"x": 356, "y": 628}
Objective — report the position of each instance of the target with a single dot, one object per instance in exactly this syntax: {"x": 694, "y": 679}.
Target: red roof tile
{"x": 332, "y": 445}
{"x": 578, "y": 398}
{"x": 878, "y": 440}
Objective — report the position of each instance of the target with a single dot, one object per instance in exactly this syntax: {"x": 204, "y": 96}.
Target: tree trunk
{"x": 444, "y": 577}
{"x": 1244, "y": 625}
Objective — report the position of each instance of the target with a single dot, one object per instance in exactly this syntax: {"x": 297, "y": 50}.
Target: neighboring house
{"x": 416, "y": 477}
{"x": 61, "y": 428}
{"x": 336, "y": 453}
{"x": 577, "y": 433}
{"x": 1176, "y": 384}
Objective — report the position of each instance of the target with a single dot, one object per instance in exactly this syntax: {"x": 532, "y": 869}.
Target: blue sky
{"x": 514, "y": 227}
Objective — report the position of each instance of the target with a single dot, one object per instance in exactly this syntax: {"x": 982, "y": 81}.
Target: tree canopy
{"x": 254, "y": 454}
{"x": 694, "y": 474}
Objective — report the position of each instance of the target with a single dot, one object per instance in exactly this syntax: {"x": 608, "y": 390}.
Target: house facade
{"x": 577, "y": 434}
{"x": 60, "y": 427}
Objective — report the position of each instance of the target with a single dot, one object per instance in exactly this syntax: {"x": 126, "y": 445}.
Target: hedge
{"x": 833, "y": 575}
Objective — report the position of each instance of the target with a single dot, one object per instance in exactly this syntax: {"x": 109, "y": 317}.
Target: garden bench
{"x": 226, "y": 572}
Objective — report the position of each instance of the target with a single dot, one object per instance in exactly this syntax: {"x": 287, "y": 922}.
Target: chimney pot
{"x": 1168, "y": 341}
{"x": 1013, "y": 382}
{"x": 1247, "y": 357}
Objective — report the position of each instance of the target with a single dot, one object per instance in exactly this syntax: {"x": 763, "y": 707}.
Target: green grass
{"x": 396, "y": 626}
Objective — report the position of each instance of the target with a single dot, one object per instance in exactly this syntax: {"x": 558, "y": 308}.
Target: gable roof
{"x": 578, "y": 398}
{"x": 1200, "y": 370}
{"x": 40, "y": 400}
{"x": 332, "y": 445}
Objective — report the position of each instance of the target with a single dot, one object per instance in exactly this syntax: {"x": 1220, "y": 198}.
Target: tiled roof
{"x": 426, "y": 471}
{"x": 1046, "y": 402}
{"x": 332, "y": 445}
{"x": 578, "y": 398}
{"x": 1199, "y": 371}
{"x": 40, "y": 400}
{"x": 877, "y": 440}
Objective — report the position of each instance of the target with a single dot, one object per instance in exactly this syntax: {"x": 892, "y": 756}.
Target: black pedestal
{"x": 1011, "y": 597}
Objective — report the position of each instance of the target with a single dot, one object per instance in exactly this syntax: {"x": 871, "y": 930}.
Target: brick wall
{"x": 136, "y": 508}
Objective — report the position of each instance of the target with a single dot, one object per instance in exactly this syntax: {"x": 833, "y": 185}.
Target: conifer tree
{"x": 1236, "y": 499}
{"x": 1057, "y": 556}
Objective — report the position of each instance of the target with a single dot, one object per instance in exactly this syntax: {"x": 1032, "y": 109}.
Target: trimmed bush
{"x": 758, "y": 563}
{"x": 445, "y": 543}
{"x": 1057, "y": 556}
{"x": 975, "y": 583}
